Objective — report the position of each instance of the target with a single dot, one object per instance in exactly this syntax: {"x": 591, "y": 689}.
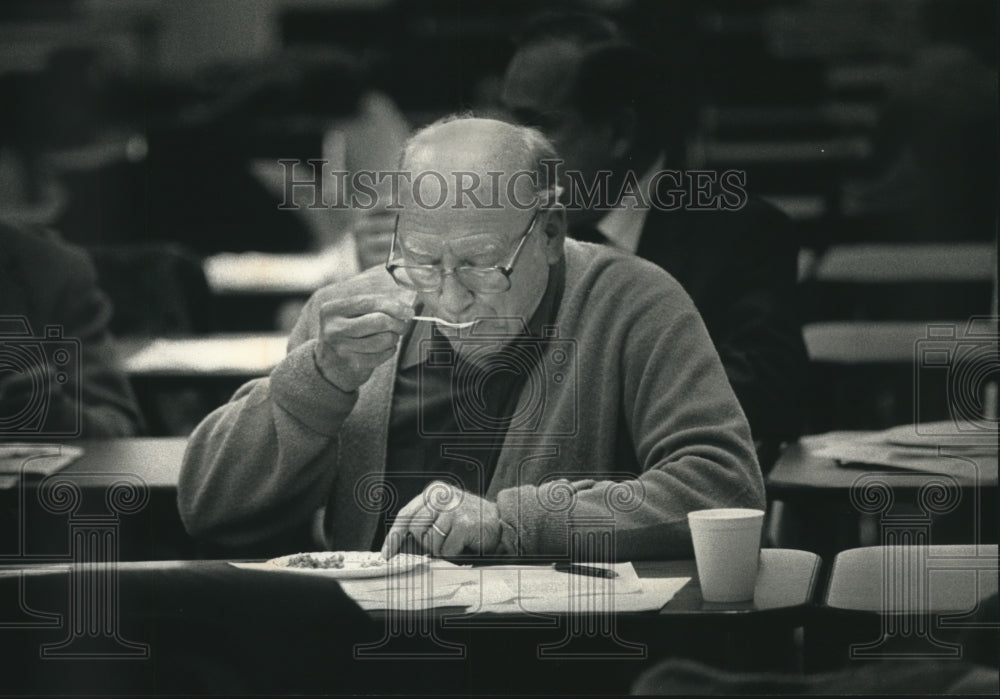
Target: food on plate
{"x": 316, "y": 560}
{"x": 333, "y": 560}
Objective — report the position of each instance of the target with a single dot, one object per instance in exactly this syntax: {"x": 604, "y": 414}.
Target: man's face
{"x": 481, "y": 238}
{"x": 536, "y": 93}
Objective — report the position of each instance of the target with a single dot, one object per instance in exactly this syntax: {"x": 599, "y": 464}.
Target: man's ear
{"x": 555, "y": 232}
{"x": 623, "y": 132}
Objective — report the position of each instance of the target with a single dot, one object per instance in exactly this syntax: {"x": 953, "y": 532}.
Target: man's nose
{"x": 455, "y": 297}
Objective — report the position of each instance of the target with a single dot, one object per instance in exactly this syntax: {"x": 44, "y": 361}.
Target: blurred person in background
{"x": 937, "y": 139}
{"x": 29, "y": 190}
{"x": 604, "y": 103}
{"x": 50, "y": 386}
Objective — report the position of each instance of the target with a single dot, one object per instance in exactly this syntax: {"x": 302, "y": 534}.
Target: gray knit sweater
{"x": 629, "y": 424}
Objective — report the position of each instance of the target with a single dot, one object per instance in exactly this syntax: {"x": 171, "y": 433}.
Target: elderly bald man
{"x": 557, "y": 384}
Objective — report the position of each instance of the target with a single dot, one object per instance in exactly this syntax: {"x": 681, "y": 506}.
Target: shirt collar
{"x": 623, "y": 224}
{"x": 545, "y": 314}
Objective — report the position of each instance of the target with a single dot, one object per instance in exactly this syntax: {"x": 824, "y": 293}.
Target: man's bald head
{"x": 480, "y": 160}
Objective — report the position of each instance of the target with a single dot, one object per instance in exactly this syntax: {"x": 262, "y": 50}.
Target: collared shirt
{"x": 449, "y": 416}
{"x": 622, "y": 226}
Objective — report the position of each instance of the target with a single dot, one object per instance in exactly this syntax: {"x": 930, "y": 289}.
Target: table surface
{"x": 787, "y": 581}
{"x": 799, "y": 472}
{"x": 156, "y": 460}
{"x": 882, "y": 264}
{"x": 787, "y": 577}
{"x": 292, "y": 274}
{"x": 235, "y": 355}
{"x": 876, "y": 342}
{"x": 951, "y": 578}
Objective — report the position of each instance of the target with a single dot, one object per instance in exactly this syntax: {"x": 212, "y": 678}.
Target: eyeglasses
{"x": 485, "y": 280}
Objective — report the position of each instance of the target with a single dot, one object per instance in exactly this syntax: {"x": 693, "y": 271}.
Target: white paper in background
{"x": 34, "y": 459}
{"x": 908, "y": 448}
{"x": 256, "y": 354}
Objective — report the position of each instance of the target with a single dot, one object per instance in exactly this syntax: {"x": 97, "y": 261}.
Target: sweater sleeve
{"x": 690, "y": 437}
{"x": 263, "y": 463}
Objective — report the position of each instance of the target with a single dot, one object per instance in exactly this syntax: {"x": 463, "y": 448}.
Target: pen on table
{"x": 578, "y": 569}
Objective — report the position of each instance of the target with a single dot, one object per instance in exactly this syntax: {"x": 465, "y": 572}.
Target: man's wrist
{"x": 321, "y": 369}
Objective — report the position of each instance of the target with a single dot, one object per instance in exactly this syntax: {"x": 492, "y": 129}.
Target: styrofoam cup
{"x": 727, "y": 552}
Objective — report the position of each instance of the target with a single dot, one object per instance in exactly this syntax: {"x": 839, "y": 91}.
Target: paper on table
{"x": 256, "y": 354}
{"x": 507, "y": 589}
{"x": 440, "y": 584}
{"x": 33, "y": 459}
{"x": 541, "y": 590}
{"x": 877, "y": 448}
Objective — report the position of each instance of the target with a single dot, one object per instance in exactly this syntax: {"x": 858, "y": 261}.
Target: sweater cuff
{"x": 299, "y": 389}
{"x": 535, "y": 519}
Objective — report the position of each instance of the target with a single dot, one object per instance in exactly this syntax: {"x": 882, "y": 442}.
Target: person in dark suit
{"x": 599, "y": 99}
{"x": 58, "y": 373}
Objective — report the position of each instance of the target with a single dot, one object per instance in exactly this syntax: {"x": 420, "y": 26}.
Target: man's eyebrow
{"x": 471, "y": 244}
{"x": 421, "y": 244}
{"x": 477, "y": 244}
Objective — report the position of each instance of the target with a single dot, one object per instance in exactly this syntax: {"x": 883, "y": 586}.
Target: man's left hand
{"x": 446, "y": 521}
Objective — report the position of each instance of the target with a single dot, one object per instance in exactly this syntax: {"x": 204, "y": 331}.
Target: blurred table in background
{"x": 907, "y": 600}
{"x": 876, "y": 374}
{"x": 828, "y": 505}
{"x": 179, "y": 380}
{"x": 142, "y": 472}
{"x": 252, "y": 288}
{"x": 239, "y": 356}
{"x": 895, "y": 282}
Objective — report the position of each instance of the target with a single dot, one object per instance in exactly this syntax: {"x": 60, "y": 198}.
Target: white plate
{"x": 400, "y": 563}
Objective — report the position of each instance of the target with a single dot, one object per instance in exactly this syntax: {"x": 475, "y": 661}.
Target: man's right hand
{"x": 357, "y": 334}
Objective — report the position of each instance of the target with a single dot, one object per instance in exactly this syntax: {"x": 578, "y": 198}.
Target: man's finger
{"x": 356, "y": 306}
{"x": 439, "y": 532}
{"x": 361, "y": 326}
{"x": 408, "y": 514}
{"x": 373, "y": 344}
{"x": 455, "y": 542}
{"x": 393, "y": 542}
